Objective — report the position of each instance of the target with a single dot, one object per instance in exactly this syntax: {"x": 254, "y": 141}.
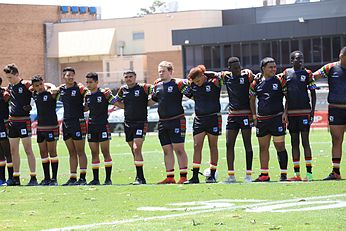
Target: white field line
{"x": 125, "y": 221}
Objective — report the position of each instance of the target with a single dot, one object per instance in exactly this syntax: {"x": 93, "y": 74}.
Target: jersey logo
{"x": 20, "y": 90}
{"x": 241, "y": 81}
{"x": 139, "y": 132}
{"x": 62, "y": 92}
{"x": 331, "y": 118}
{"x": 275, "y": 86}
{"x": 170, "y": 89}
{"x": 215, "y": 129}
{"x": 137, "y": 93}
{"x": 73, "y": 93}
{"x": 99, "y": 99}
{"x": 104, "y": 135}
{"x": 280, "y": 129}
{"x": 335, "y": 75}
{"x": 45, "y": 97}
{"x": 50, "y": 135}
{"x": 305, "y": 121}
{"x": 177, "y": 130}
{"x": 246, "y": 122}
{"x": 207, "y": 88}
{"x": 2, "y": 134}
{"x": 77, "y": 134}
{"x": 23, "y": 131}
{"x": 302, "y": 78}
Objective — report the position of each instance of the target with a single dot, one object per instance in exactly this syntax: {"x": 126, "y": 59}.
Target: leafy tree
{"x": 154, "y": 8}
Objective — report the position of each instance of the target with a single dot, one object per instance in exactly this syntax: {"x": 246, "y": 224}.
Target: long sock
{"x": 10, "y": 170}
{"x": 82, "y": 173}
{"x": 195, "y": 169}
{"x": 183, "y": 172}
{"x": 308, "y": 164}
{"x": 283, "y": 161}
{"x": 139, "y": 168}
{"x": 16, "y": 176}
{"x": 45, "y": 165}
{"x": 2, "y": 169}
{"x": 33, "y": 175}
{"x": 54, "y": 161}
{"x": 213, "y": 168}
{"x": 95, "y": 167}
{"x": 249, "y": 158}
{"x": 336, "y": 165}
{"x": 108, "y": 169}
{"x": 170, "y": 173}
{"x": 296, "y": 167}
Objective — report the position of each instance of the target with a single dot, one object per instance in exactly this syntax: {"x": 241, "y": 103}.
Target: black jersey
{"x": 46, "y": 108}
{"x": 72, "y": 99}
{"x": 270, "y": 94}
{"x": 238, "y": 89}
{"x": 298, "y": 82}
{"x": 336, "y": 75}
{"x": 20, "y": 97}
{"x": 4, "y": 106}
{"x": 169, "y": 97}
{"x": 135, "y": 100}
{"x": 207, "y": 96}
{"x": 97, "y": 103}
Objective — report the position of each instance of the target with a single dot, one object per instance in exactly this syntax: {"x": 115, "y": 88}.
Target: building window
{"x": 207, "y": 57}
{"x": 137, "y": 35}
{"x": 276, "y": 51}
{"x": 189, "y": 58}
{"x": 307, "y": 50}
{"x": 255, "y": 54}
{"x": 246, "y": 51}
{"x": 108, "y": 74}
{"x": 237, "y": 51}
{"x": 285, "y": 53}
{"x": 316, "y": 50}
{"x": 294, "y": 45}
{"x": 198, "y": 55}
{"x": 265, "y": 48}
{"x": 326, "y": 48}
{"x": 336, "y": 47}
{"x": 227, "y": 54}
{"x": 216, "y": 57}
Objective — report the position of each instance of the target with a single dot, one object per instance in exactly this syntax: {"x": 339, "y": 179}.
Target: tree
{"x": 154, "y": 8}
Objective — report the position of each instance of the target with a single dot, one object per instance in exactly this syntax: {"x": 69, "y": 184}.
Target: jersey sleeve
{"x": 109, "y": 96}
{"x": 324, "y": 71}
{"x": 283, "y": 84}
{"x": 252, "y": 88}
{"x": 148, "y": 88}
{"x": 6, "y": 95}
{"x": 119, "y": 96}
{"x": 249, "y": 74}
{"x": 82, "y": 89}
{"x": 217, "y": 81}
{"x": 184, "y": 87}
{"x": 311, "y": 80}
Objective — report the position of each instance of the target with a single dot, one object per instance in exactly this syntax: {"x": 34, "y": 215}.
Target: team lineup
{"x": 254, "y": 101}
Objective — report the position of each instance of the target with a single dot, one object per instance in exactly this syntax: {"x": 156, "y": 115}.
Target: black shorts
{"x": 3, "y": 130}
{"x": 172, "y": 131}
{"x": 336, "y": 116}
{"x": 75, "y": 129}
{"x": 210, "y": 124}
{"x": 236, "y": 122}
{"x": 134, "y": 130}
{"x": 98, "y": 133}
{"x": 48, "y": 135}
{"x": 272, "y": 126}
{"x": 298, "y": 123}
{"x": 19, "y": 128}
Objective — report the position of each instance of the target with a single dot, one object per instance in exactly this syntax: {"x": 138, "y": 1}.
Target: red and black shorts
{"x": 336, "y": 116}
{"x": 135, "y": 130}
{"x": 74, "y": 128}
{"x": 98, "y": 133}
{"x": 48, "y": 134}
{"x": 19, "y": 127}
{"x": 210, "y": 124}
{"x": 172, "y": 131}
{"x": 270, "y": 126}
{"x": 298, "y": 123}
{"x": 236, "y": 122}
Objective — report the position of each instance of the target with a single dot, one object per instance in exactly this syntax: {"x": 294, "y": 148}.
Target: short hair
{"x": 196, "y": 71}
{"x": 92, "y": 75}
{"x": 36, "y": 78}
{"x": 233, "y": 60}
{"x": 266, "y": 60}
{"x": 0, "y": 80}
{"x": 11, "y": 69}
{"x": 166, "y": 64}
{"x": 293, "y": 54}
{"x": 130, "y": 72}
{"x": 71, "y": 69}
{"x": 343, "y": 51}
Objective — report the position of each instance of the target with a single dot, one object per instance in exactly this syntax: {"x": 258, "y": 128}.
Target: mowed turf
{"x": 116, "y": 207}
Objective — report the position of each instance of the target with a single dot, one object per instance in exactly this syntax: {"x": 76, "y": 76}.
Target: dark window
{"x": 189, "y": 58}
{"x": 137, "y": 35}
{"x": 227, "y": 53}
{"x": 92, "y": 10}
{"x": 316, "y": 50}
{"x": 246, "y": 55}
{"x": 307, "y": 50}
{"x": 236, "y": 51}
{"x": 285, "y": 52}
{"x": 336, "y": 44}
{"x": 207, "y": 57}
{"x": 276, "y": 51}
{"x": 254, "y": 53}
{"x": 216, "y": 57}
{"x": 265, "y": 49}
{"x": 198, "y": 56}
{"x": 82, "y": 9}
{"x": 294, "y": 45}
{"x": 327, "y": 56}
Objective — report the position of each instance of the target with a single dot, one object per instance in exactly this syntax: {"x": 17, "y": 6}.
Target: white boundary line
{"x": 97, "y": 225}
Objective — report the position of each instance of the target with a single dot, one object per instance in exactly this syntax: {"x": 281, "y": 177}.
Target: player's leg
{"x": 107, "y": 160}
{"x": 137, "y": 145}
{"x": 214, "y": 157}
{"x": 231, "y": 137}
{"x": 246, "y": 135}
{"x": 307, "y": 154}
{"x": 73, "y": 160}
{"x": 14, "y": 145}
{"x": 42, "y": 144}
{"x": 95, "y": 162}
{"x": 82, "y": 159}
{"x": 279, "y": 143}
{"x": 295, "y": 143}
{"x": 264, "y": 143}
{"x": 26, "y": 141}
{"x": 168, "y": 156}
{"x": 54, "y": 161}
{"x": 198, "y": 140}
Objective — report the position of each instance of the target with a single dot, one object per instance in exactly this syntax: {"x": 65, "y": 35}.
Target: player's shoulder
{"x": 246, "y": 72}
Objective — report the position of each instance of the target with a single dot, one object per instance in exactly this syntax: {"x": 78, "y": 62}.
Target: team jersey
{"x": 135, "y": 101}
{"x": 238, "y": 89}
{"x": 46, "y": 106}
{"x": 98, "y": 105}
{"x": 207, "y": 96}
{"x": 298, "y": 82}
{"x": 72, "y": 99}
{"x": 169, "y": 96}
{"x": 4, "y": 110}
{"x": 336, "y": 76}
{"x": 270, "y": 94}
{"x": 20, "y": 97}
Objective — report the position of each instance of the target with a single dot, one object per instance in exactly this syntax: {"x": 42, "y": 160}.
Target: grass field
{"x": 253, "y": 206}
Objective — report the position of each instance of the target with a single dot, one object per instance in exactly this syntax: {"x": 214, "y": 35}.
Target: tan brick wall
{"x": 154, "y": 58}
{"x": 82, "y": 68}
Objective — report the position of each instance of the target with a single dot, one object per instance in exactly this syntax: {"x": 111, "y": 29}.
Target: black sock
{"x": 336, "y": 165}
{"x": 249, "y": 158}
{"x": 96, "y": 173}
{"x": 46, "y": 170}
{"x": 195, "y": 172}
{"x": 16, "y": 178}
{"x": 139, "y": 171}
{"x": 108, "y": 170}
{"x": 82, "y": 175}
{"x": 283, "y": 159}
{"x": 2, "y": 172}
{"x": 10, "y": 171}
{"x": 54, "y": 169}
{"x": 212, "y": 172}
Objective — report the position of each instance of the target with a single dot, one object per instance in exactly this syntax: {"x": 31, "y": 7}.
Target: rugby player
{"x": 336, "y": 75}
{"x": 20, "y": 123}
{"x": 133, "y": 98}
{"x": 72, "y": 96}
{"x": 207, "y": 122}
{"x": 45, "y": 96}
{"x": 168, "y": 92}
{"x": 300, "y": 112}
{"x": 269, "y": 90}
{"x": 96, "y": 101}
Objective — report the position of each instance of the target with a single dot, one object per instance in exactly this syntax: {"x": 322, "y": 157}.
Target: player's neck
{"x": 93, "y": 90}
{"x": 68, "y": 85}
{"x": 16, "y": 81}
{"x": 167, "y": 79}
{"x": 131, "y": 85}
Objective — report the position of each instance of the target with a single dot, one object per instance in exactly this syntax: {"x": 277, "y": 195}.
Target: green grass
{"x": 36, "y": 208}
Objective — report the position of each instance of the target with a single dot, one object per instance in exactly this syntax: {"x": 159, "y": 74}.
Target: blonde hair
{"x": 166, "y": 64}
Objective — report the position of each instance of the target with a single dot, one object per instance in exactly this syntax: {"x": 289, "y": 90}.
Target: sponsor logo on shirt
{"x": 170, "y": 89}
{"x": 89, "y": 136}
{"x": 2, "y": 134}
{"x": 23, "y": 131}
{"x": 104, "y": 135}
{"x": 139, "y": 132}
{"x": 137, "y": 93}
{"x": 302, "y": 78}
{"x": 20, "y": 90}
{"x": 77, "y": 134}
{"x": 275, "y": 86}
{"x": 215, "y": 129}
{"x": 99, "y": 99}
{"x": 335, "y": 75}
{"x": 45, "y": 97}
{"x": 73, "y": 93}
{"x": 50, "y": 135}
{"x": 331, "y": 118}
{"x": 62, "y": 92}
{"x": 305, "y": 121}
{"x": 177, "y": 130}
{"x": 246, "y": 122}
{"x": 241, "y": 81}
{"x": 280, "y": 129}
{"x": 207, "y": 88}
